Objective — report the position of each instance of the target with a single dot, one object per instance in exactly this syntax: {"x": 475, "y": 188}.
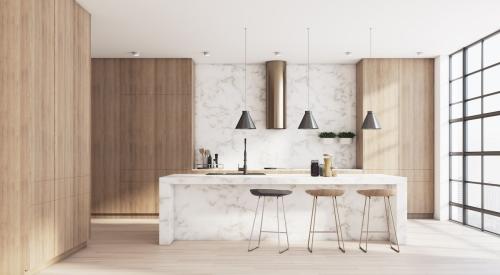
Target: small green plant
{"x": 327, "y": 135}
{"x": 346, "y": 135}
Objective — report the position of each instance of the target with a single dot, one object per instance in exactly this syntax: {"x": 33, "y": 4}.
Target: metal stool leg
{"x": 367, "y": 225}
{"x": 312, "y": 225}
{"x": 279, "y": 232}
{"x": 286, "y": 228}
{"x": 253, "y": 225}
{"x": 338, "y": 225}
{"x": 393, "y": 225}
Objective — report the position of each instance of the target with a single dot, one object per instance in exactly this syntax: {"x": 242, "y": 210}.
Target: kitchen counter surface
{"x": 304, "y": 171}
{"x": 220, "y": 207}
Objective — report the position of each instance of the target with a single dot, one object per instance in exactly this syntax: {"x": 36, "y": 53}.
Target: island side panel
{"x": 167, "y": 218}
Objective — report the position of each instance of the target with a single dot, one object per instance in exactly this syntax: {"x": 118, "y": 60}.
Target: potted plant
{"x": 346, "y": 137}
{"x": 327, "y": 137}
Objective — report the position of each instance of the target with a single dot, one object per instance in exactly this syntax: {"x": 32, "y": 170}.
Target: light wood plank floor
{"x": 433, "y": 248}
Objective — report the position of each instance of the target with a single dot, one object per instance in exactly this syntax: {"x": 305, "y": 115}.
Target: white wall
{"x": 441, "y": 138}
{"x": 219, "y": 102}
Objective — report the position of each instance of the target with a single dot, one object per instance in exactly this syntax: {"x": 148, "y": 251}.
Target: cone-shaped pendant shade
{"x": 245, "y": 121}
{"x": 370, "y": 122}
{"x": 308, "y": 121}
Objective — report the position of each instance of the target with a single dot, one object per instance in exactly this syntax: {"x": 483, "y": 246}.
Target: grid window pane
{"x": 492, "y": 198}
{"x": 492, "y": 223}
{"x": 473, "y": 218}
{"x": 456, "y": 91}
{"x": 474, "y": 107}
{"x": 456, "y": 110}
{"x": 456, "y": 214}
{"x": 474, "y": 195}
{"x": 456, "y": 191}
{"x": 492, "y": 133}
{"x": 491, "y": 80}
{"x": 474, "y": 58}
{"x": 456, "y": 65}
{"x": 491, "y": 103}
{"x": 456, "y": 137}
{"x": 473, "y": 85}
{"x": 473, "y": 135}
{"x": 474, "y": 168}
{"x": 492, "y": 169}
{"x": 492, "y": 50}
{"x": 456, "y": 168}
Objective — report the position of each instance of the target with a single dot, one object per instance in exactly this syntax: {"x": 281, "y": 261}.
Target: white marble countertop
{"x": 296, "y": 179}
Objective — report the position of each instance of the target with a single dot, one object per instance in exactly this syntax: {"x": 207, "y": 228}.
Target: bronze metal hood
{"x": 276, "y": 94}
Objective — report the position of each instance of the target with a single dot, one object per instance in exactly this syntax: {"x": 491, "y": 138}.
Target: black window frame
{"x": 463, "y": 120}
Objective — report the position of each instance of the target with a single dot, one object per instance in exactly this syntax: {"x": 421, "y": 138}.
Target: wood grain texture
{"x": 10, "y": 128}
{"x": 400, "y": 92}
{"x": 142, "y": 127}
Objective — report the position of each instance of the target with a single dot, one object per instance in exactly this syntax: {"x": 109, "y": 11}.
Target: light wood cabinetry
{"x": 45, "y": 125}
{"x": 141, "y": 130}
{"x": 400, "y": 92}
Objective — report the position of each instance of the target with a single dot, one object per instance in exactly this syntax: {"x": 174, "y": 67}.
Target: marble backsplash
{"x": 219, "y": 93}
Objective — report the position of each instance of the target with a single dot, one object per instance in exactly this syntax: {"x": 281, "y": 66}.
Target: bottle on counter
{"x": 209, "y": 161}
{"x": 216, "y": 161}
{"x": 327, "y": 168}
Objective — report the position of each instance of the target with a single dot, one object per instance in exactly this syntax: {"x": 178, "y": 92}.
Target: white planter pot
{"x": 345, "y": 140}
{"x": 327, "y": 141}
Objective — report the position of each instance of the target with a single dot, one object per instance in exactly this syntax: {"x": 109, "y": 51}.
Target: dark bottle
{"x": 314, "y": 168}
{"x": 216, "y": 161}
{"x": 209, "y": 161}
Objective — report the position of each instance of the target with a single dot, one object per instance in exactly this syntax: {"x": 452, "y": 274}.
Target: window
{"x": 475, "y": 134}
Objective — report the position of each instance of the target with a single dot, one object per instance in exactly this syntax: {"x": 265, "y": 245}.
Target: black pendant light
{"x": 370, "y": 122}
{"x": 308, "y": 121}
{"x": 245, "y": 121}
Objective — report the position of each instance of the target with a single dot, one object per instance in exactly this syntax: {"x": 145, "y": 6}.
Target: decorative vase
{"x": 345, "y": 140}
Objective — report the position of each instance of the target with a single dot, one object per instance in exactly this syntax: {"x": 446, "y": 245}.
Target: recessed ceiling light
{"x": 420, "y": 53}
{"x": 277, "y": 53}
{"x": 206, "y": 53}
{"x": 348, "y": 53}
{"x": 135, "y": 54}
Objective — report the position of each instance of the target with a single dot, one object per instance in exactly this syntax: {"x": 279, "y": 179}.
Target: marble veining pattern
{"x": 199, "y": 207}
{"x": 219, "y": 102}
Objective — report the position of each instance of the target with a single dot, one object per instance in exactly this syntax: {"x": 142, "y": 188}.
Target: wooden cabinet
{"x": 400, "y": 92}
{"x": 142, "y": 129}
{"x": 45, "y": 125}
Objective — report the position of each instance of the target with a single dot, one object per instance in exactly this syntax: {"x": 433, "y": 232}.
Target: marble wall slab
{"x": 219, "y": 101}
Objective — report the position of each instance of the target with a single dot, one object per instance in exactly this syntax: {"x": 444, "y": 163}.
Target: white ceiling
{"x": 185, "y": 28}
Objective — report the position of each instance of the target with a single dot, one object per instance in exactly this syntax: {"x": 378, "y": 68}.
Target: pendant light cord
{"x": 308, "y": 69}
{"x": 245, "y": 101}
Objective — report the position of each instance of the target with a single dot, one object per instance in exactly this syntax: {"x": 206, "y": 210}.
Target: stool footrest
{"x": 324, "y": 231}
{"x": 266, "y": 231}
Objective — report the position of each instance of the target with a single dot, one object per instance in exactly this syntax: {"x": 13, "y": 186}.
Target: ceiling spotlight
{"x": 206, "y": 53}
{"x": 348, "y": 53}
{"x": 135, "y": 54}
{"x": 277, "y": 53}
{"x": 420, "y": 53}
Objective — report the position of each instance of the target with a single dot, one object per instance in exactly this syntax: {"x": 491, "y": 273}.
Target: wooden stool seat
{"x": 377, "y": 192}
{"x": 325, "y": 192}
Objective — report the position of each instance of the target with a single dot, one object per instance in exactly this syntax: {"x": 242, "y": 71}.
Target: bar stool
{"x": 386, "y": 194}
{"x": 270, "y": 193}
{"x": 333, "y": 193}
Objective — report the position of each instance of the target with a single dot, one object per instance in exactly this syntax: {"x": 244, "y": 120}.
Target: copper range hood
{"x": 276, "y": 94}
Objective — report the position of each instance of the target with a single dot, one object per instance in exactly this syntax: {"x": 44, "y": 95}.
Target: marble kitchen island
{"x": 220, "y": 207}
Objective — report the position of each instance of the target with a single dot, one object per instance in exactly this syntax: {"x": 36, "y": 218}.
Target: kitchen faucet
{"x": 244, "y": 168}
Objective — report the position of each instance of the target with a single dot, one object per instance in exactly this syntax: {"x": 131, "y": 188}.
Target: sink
{"x": 233, "y": 174}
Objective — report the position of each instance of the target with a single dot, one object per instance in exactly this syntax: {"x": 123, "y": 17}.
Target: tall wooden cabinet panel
{"x": 40, "y": 115}
{"x": 400, "y": 92}
{"x": 142, "y": 129}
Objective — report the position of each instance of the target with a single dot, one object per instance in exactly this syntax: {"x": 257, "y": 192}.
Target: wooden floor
{"x": 433, "y": 248}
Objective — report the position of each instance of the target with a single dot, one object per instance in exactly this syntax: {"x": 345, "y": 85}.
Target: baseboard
{"x": 57, "y": 259}
{"x": 124, "y": 215}
{"x": 420, "y": 215}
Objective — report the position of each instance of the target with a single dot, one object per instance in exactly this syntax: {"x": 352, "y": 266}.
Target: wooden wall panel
{"x": 142, "y": 129}
{"x": 400, "y": 92}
